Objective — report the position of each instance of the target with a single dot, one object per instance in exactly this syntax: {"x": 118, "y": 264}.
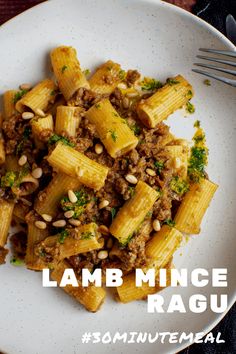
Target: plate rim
{"x": 214, "y": 31}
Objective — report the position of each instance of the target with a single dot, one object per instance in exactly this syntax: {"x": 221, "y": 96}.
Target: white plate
{"x": 161, "y": 40}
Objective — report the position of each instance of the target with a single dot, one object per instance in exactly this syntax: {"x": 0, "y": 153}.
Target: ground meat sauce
{"x": 150, "y": 150}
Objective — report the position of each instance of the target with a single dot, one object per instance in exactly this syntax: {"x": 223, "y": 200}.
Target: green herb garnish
{"x": 131, "y": 191}
{"x": 113, "y": 213}
{"x": 179, "y": 186}
{"x": 55, "y": 138}
{"x": 169, "y": 222}
{"x": 86, "y": 72}
{"x": 207, "y": 82}
{"x": 159, "y": 165}
{"x": 190, "y": 107}
{"x": 150, "y": 84}
{"x": 64, "y": 68}
{"x": 172, "y": 82}
{"x": 127, "y": 241}
{"x": 63, "y": 235}
{"x": 79, "y": 206}
{"x": 122, "y": 74}
{"x": 86, "y": 235}
{"x": 8, "y": 180}
{"x": 25, "y": 137}
{"x": 136, "y": 129}
{"x": 113, "y": 135}
{"x": 17, "y": 262}
{"x": 18, "y": 95}
{"x": 197, "y": 163}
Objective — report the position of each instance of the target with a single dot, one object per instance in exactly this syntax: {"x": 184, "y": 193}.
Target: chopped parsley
{"x": 169, "y": 222}
{"x": 79, "y": 206}
{"x": 207, "y": 82}
{"x": 55, "y": 138}
{"x": 116, "y": 115}
{"x": 25, "y": 137}
{"x": 86, "y": 72}
{"x": 190, "y": 94}
{"x": 127, "y": 241}
{"x": 199, "y": 155}
{"x": 97, "y": 105}
{"x": 53, "y": 92}
{"x": 197, "y": 124}
{"x": 136, "y": 129}
{"x": 63, "y": 235}
{"x": 8, "y": 180}
{"x": 64, "y": 68}
{"x": 16, "y": 261}
{"x": 172, "y": 82}
{"x": 131, "y": 191}
{"x": 149, "y": 84}
{"x": 122, "y": 74}
{"x": 113, "y": 135}
{"x": 86, "y": 235}
{"x": 190, "y": 107}
{"x": 113, "y": 213}
{"x": 18, "y": 95}
{"x": 178, "y": 185}
{"x": 159, "y": 165}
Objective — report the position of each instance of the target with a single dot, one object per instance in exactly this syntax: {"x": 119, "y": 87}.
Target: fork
{"x": 227, "y": 53}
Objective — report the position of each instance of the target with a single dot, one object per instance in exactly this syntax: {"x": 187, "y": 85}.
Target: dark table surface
{"x": 214, "y": 12}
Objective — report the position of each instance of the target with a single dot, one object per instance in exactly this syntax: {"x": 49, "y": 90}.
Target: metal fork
{"x": 227, "y": 53}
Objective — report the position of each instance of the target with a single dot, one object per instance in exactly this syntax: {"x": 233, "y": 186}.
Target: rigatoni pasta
{"x": 67, "y": 70}
{"x": 113, "y": 131}
{"x": 172, "y": 96}
{"x": 67, "y": 120}
{"x": 71, "y": 162}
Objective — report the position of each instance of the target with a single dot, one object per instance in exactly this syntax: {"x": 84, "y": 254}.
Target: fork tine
{"x": 219, "y": 78}
{"x": 228, "y": 62}
{"x": 229, "y": 53}
{"x": 209, "y": 66}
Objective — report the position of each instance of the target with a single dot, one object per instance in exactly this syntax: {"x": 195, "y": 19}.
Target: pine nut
{"x": 59, "y": 223}
{"x": 156, "y": 225}
{"x": 68, "y": 214}
{"x": 132, "y": 94}
{"x": 74, "y": 222}
{"x": 177, "y": 162}
{"x": 102, "y": 254}
{"x": 131, "y": 179}
{"x": 40, "y": 225}
{"x": 150, "y": 172}
{"x": 122, "y": 86}
{"x": 125, "y": 102}
{"x": 37, "y": 172}
{"x": 110, "y": 243}
{"x": 47, "y": 217}
{"x": 22, "y": 160}
{"x": 40, "y": 112}
{"x": 27, "y": 115}
{"x": 103, "y": 229}
{"x": 104, "y": 203}
{"x": 98, "y": 149}
{"x": 25, "y": 86}
{"x": 72, "y": 197}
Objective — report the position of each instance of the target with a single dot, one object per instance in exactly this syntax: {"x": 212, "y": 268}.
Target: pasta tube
{"x": 9, "y": 103}
{"x": 133, "y": 212}
{"x": 41, "y": 124}
{"x": 160, "y": 249}
{"x": 34, "y": 236}
{"x": 38, "y": 98}
{"x": 106, "y": 78}
{"x": 67, "y": 70}
{"x": 6, "y": 210}
{"x": 84, "y": 239}
{"x": 67, "y": 120}
{"x": 90, "y": 297}
{"x": 73, "y": 163}
{"x": 47, "y": 202}
{"x": 113, "y": 131}
{"x": 193, "y": 207}
{"x": 2, "y": 152}
{"x": 165, "y": 101}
